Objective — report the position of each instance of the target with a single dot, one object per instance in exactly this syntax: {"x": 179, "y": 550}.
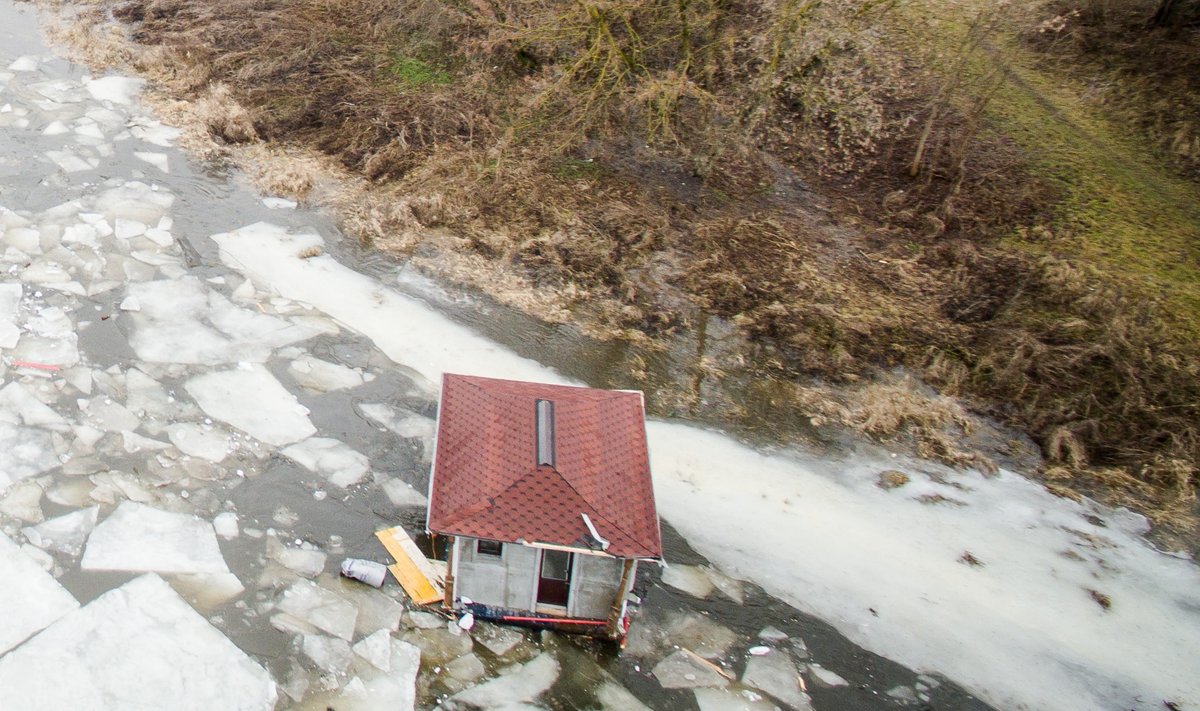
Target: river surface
{"x": 210, "y": 398}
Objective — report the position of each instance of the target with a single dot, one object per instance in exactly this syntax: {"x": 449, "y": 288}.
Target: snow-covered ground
{"x": 141, "y": 387}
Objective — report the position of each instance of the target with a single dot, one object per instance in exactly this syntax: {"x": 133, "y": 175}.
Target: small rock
{"x": 891, "y": 479}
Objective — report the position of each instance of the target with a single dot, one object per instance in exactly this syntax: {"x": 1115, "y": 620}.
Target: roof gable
{"x": 487, "y": 484}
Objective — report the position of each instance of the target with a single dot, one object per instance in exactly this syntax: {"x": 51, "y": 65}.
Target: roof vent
{"x": 545, "y": 433}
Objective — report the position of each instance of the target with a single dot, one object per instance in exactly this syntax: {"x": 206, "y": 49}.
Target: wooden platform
{"x": 420, "y": 578}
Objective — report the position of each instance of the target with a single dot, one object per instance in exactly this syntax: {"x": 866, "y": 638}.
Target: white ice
{"x": 401, "y": 422}
{"x": 252, "y": 400}
{"x": 204, "y": 441}
{"x": 520, "y": 684}
{"x": 158, "y": 160}
{"x": 331, "y": 459}
{"x": 183, "y": 321}
{"x": 29, "y": 598}
{"x": 329, "y": 653}
{"x": 690, "y": 579}
{"x": 10, "y": 301}
{"x": 115, "y": 89}
{"x": 64, "y": 534}
{"x": 138, "y": 537}
{"x": 19, "y": 406}
{"x": 226, "y": 525}
{"x": 406, "y": 330}
{"x": 305, "y": 560}
{"x": 24, "y": 452}
{"x": 401, "y": 493}
{"x": 24, "y": 63}
{"x": 139, "y": 646}
{"x": 775, "y": 674}
{"x": 376, "y": 648}
{"x": 23, "y": 501}
{"x": 321, "y": 608}
{"x": 685, "y": 670}
{"x": 1022, "y": 629}
{"x": 323, "y": 376}
{"x": 728, "y": 700}
{"x": 394, "y": 690}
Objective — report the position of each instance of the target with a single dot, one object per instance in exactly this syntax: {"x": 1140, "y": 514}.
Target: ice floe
{"x": 321, "y": 608}
{"x": 331, "y": 459}
{"x": 811, "y": 532}
{"x": 29, "y": 597}
{"x": 323, "y": 376}
{"x": 138, "y": 646}
{"x": 520, "y": 684}
{"x": 138, "y": 537}
{"x": 408, "y": 331}
{"x": 252, "y": 400}
{"x": 64, "y": 534}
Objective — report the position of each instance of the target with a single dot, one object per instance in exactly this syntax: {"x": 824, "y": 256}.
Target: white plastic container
{"x": 367, "y": 571}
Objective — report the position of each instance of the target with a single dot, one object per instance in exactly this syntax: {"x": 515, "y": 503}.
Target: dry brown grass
{"x": 902, "y": 411}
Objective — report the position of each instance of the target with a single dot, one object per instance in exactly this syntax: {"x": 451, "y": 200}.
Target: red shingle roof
{"x": 487, "y": 484}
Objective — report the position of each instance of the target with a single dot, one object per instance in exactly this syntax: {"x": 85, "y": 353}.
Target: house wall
{"x": 594, "y": 584}
{"x": 507, "y": 581}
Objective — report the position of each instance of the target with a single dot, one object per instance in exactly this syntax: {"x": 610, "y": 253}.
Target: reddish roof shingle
{"x": 487, "y": 483}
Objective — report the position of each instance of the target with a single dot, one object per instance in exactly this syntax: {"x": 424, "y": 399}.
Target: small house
{"x": 545, "y": 496}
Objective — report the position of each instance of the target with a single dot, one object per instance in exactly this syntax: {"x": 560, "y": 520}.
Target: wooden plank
{"x": 411, "y": 569}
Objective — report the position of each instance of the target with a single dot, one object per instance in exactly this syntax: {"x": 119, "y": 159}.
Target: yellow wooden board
{"x": 411, "y": 569}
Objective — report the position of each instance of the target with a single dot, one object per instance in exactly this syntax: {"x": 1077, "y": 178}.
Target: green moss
{"x": 577, "y": 169}
{"x": 1122, "y": 211}
{"x": 413, "y": 73}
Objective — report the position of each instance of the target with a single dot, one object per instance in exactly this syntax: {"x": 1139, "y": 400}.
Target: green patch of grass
{"x": 413, "y": 73}
{"x": 578, "y": 169}
{"x": 1123, "y": 211}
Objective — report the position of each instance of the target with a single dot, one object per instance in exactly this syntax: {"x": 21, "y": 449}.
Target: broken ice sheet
{"x": 323, "y": 376}
{"x": 23, "y": 502}
{"x": 139, "y": 646}
{"x": 204, "y": 441}
{"x": 64, "y": 534}
{"x": 142, "y": 538}
{"x": 304, "y": 560}
{"x": 376, "y": 648}
{"x": 400, "y": 422}
{"x": 691, "y": 579}
{"x": 207, "y": 590}
{"x": 727, "y": 700}
{"x": 684, "y": 670}
{"x": 522, "y": 683}
{"x": 24, "y": 452}
{"x": 321, "y": 608}
{"x": 252, "y": 400}
{"x": 20, "y": 406}
{"x": 401, "y": 494}
{"x": 182, "y": 321}
{"x": 331, "y": 459}
{"x": 330, "y": 654}
{"x": 114, "y": 89}
{"x": 775, "y": 674}
{"x": 10, "y": 300}
{"x": 394, "y": 690}
{"x": 29, "y": 598}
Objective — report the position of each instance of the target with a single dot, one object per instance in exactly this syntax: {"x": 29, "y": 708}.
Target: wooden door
{"x": 554, "y": 583}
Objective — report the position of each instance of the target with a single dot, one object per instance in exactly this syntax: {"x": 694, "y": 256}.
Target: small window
{"x": 489, "y": 547}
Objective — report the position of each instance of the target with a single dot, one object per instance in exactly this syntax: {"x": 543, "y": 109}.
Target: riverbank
{"x": 1025, "y": 269}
